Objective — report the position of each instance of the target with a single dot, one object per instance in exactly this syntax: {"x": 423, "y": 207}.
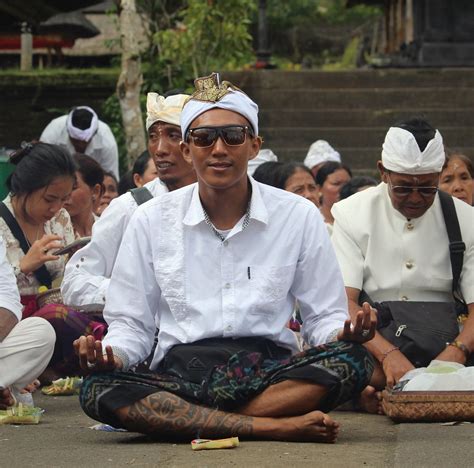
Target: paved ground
{"x": 63, "y": 439}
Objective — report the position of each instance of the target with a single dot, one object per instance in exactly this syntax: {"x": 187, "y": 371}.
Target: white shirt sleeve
{"x": 9, "y": 295}
{"x": 348, "y": 252}
{"x": 88, "y": 272}
{"x": 318, "y": 284}
{"x": 133, "y": 295}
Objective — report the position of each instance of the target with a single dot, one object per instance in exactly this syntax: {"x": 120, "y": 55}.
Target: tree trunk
{"x": 130, "y": 81}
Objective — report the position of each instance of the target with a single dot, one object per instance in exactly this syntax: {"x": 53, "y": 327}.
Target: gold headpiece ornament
{"x": 211, "y": 89}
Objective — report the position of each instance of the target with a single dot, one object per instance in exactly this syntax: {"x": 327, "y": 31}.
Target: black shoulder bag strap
{"x": 456, "y": 244}
{"x": 141, "y": 195}
{"x": 41, "y": 274}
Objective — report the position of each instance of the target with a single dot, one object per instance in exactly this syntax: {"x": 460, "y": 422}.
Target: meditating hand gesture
{"x": 92, "y": 357}
{"x": 364, "y": 326}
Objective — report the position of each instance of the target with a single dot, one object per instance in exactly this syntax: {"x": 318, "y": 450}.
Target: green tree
{"x": 208, "y": 35}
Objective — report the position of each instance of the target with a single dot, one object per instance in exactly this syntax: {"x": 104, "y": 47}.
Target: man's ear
{"x": 186, "y": 152}
{"x": 382, "y": 171}
{"x": 256, "y": 145}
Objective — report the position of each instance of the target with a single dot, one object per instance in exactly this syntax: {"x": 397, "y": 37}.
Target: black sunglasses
{"x": 404, "y": 191}
{"x": 232, "y": 135}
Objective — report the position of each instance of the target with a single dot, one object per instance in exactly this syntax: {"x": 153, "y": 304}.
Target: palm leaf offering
{"x": 21, "y": 414}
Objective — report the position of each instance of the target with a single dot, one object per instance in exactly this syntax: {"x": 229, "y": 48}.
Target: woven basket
{"x": 51, "y": 296}
{"x": 429, "y": 406}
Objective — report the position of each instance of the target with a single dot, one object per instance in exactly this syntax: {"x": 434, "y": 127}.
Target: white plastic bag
{"x": 440, "y": 376}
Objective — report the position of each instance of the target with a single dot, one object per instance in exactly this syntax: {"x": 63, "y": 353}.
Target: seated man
{"x": 221, "y": 263}
{"x": 87, "y": 274}
{"x": 25, "y": 347}
{"x": 391, "y": 242}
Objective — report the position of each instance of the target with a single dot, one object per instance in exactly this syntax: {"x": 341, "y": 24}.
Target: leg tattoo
{"x": 165, "y": 414}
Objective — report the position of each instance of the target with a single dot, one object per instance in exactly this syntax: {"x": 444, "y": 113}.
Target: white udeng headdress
{"x": 163, "y": 109}
{"x": 319, "y": 152}
{"x": 263, "y": 156}
{"x": 79, "y": 134}
{"x": 401, "y": 153}
{"x": 210, "y": 94}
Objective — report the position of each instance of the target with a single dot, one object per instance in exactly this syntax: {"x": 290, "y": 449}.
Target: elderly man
{"x": 81, "y": 131}
{"x": 87, "y": 274}
{"x": 391, "y": 242}
{"x": 26, "y": 346}
{"x": 221, "y": 263}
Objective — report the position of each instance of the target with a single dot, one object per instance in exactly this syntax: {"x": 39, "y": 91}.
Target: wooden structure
{"x": 20, "y": 20}
{"x": 437, "y": 33}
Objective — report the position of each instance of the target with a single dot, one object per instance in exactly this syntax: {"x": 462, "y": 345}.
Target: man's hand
{"x": 364, "y": 327}
{"x": 92, "y": 358}
{"x": 395, "y": 365}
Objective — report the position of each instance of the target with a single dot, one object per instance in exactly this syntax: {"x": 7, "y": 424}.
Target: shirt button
{"x": 228, "y": 328}
{"x": 404, "y": 298}
{"x": 227, "y": 286}
{"x": 225, "y": 243}
{"x": 409, "y": 264}
{"x": 410, "y": 226}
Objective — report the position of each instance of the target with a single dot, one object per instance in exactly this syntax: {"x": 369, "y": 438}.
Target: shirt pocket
{"x": 269, "y": 286}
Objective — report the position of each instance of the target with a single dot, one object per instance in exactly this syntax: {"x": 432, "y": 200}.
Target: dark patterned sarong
{"x": 344, "y": 368}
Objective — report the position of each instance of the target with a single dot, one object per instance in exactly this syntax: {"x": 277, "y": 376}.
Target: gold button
{"x": 410, "y": 226}
{"x": 404, "y": 298}
{"x": 409, "y": 264}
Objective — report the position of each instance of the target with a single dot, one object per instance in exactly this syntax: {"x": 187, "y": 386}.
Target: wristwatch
{"x": 461, "y": 346}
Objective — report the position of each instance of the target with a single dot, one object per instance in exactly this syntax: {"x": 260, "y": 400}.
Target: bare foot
{"x": 370, "y": 400}
{"x": 32, "y": 387}
{"x": 312, "y": 427}
{"x": 6, "y": 398}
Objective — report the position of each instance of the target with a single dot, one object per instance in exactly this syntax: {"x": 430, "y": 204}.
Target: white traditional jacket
{"x": 393, "y": 258}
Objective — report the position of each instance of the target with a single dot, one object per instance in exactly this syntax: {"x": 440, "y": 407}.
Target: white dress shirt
{"x": 88, "y": 272}
{"x": 393, "y": 258}
{"x": 102, "y": 147}
{"x": 9, "y": 295}
{"x": 172, "y": 264}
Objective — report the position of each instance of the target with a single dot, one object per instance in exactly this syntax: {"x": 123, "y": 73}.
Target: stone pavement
{"x": 63, "y": 439}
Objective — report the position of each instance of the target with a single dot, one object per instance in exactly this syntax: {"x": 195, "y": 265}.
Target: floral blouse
{"x": 60, "y": 224}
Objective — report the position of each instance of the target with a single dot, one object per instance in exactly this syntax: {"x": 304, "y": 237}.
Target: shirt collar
{"x": 258, "y": 210}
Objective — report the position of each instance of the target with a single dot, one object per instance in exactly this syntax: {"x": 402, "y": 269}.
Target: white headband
{"x": 401, "y": 153}
{"x": 164, "y": 109}
{"x": 320, "y": 152}
{"x": 212, "y": 94}
{"x": 77, "y": 133}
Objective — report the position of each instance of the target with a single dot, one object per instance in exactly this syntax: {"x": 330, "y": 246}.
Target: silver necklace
{"x": 218, "y": 234}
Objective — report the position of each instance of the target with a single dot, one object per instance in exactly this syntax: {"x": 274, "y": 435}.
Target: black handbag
{"x": 422, "y": 329}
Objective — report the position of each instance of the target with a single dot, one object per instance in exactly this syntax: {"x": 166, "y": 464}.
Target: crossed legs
{"x": 284, "y": 411}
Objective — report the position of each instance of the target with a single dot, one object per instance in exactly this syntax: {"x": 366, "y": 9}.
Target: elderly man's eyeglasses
{"x": 404, "y": 190}
{"x": 233, "y": 135}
